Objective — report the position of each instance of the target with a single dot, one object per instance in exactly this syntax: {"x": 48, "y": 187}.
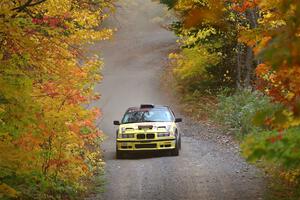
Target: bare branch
{"x": 29, "y": 3}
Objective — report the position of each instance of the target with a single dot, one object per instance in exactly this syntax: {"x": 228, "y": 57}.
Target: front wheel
{"x": 175, "y": 152}
{"x": 119, "y": 154}
{"x": 179, "y": 142}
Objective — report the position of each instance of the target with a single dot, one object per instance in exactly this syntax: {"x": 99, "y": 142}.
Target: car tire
{"x": 119, "y": 154}
{"x": 175, "y": 152}
{"x": 179, "y": 143}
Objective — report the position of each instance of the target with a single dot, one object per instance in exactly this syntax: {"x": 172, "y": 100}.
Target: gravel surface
{"x": 209, "y": 165}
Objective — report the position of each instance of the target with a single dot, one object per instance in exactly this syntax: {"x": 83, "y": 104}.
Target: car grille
{"x": 144, "y": 136}
{"x": 140, "y": 136}
{"x": 145, "y": 146}
{"x": 150, "y": 136}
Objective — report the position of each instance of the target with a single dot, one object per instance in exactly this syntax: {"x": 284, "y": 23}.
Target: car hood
{"x": 155, "y": 125}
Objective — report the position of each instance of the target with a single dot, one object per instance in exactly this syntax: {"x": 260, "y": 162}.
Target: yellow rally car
{"x": 148, "y": 127}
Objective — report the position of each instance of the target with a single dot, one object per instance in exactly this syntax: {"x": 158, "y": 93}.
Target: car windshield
{"x": 148, "y": 115}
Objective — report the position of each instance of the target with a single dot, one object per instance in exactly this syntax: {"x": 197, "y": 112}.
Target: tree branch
{"x": 29, "y": 3}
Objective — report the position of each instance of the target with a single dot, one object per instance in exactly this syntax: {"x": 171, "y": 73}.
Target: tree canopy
{"x": 48, "y": 139}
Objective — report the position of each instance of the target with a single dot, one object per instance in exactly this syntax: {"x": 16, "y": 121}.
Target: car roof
{"x": 147, "y": 106}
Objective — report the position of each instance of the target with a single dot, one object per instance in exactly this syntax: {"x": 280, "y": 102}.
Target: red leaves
{"x": 50, "y": 89}
{"x": 57, "y": 163}
{"x": 269, "y": 82}
{"x": 274, "y": 139}
{"x": 67, "y": 93}
{"x": 247, "y": 4}
{"x": 282, "y": 84}
{"x": 52, "y": 22}
{"x": 48, "y": 133}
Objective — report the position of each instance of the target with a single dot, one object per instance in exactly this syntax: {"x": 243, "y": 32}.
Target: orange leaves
{"x": 28, "y": 142}
{"x": 255, "y": 38}
{"x": 50, "y": 89}
{"x": 212, "y": 13}
{"x": 46, "y": 81}
{"x": 282, "y": 82}
{"x": 268, "y": 82}
{"x": 96, "y": 113}
{"x": 57, "y": 163}
{"x": 70, "y": 94}
{"x": 241, "y": 7}
{"x": 248, "y": 37}
{"x": 262, "y": 69}
{"x": 283, "y": 86}
{"x": 264, "y": 41}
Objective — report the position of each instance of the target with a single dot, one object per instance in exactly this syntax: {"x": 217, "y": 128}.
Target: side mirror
{"x": 178, "y": 120}
{"x": 117, "y": 123}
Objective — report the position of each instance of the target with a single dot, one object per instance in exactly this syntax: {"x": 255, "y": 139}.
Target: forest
{"x": 48, "y": 139}
{"x": 238, "y": 65}
{"x": 240, "y": 60}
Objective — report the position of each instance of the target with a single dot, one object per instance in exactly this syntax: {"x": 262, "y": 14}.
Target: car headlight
{"x": 130, "y": 135}
{"x": 123, "y": 129}
{"x": 168, "y": 128}
{"x": 163, "y": 134}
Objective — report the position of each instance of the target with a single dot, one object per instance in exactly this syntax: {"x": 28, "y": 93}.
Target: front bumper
{"x": 136, "y": 145}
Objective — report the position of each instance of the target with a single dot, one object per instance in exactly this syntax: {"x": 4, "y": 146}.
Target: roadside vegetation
{"x": 49, "y": 143}
{"x": 239, "y": 61}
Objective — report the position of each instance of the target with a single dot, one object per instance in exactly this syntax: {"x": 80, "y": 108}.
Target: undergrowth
{"x": 236, "y": 110}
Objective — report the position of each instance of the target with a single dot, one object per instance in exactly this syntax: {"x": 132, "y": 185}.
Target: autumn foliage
{"x": 256, "y": 46}
{"x": 49, "y": 144}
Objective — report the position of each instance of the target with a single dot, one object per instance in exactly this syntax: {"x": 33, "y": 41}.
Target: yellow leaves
{"x": 291, "y": 176}
{"x": 201, "y": 34}
{"x": 190, "y": 40}
{"x": 6, "y": 6}
{"x": 55, "y": 7}
{"x": 7, "y": 191}
{"x": 173, "y": 56}
{"x": 192, "y": 63}
{"x": 14, "y": 158}
{"x": 86, "y": 18}
{"x": 294, "y": 122}
{"x": 290, "y": 95}
{"x": 89, "y": 36}
{"x": 2, "y": 109}
{"x": 39, "y": 59}
{"x": 183, "y": 5}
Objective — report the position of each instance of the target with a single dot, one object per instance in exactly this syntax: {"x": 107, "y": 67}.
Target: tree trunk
{"x": 239, "y": 67}
{"x": 248, "y": 67}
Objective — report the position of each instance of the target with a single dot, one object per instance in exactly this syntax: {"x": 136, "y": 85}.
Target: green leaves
{"x": 169, "y": 3}
{"x": 282, "y": 147}
{"x": 237, "y": 111}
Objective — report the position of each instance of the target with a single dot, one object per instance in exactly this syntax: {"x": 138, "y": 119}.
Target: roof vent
{"x": 146, "y": 106}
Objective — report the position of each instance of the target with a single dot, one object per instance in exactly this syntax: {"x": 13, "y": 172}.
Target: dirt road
{"x": 134, "y": 63}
